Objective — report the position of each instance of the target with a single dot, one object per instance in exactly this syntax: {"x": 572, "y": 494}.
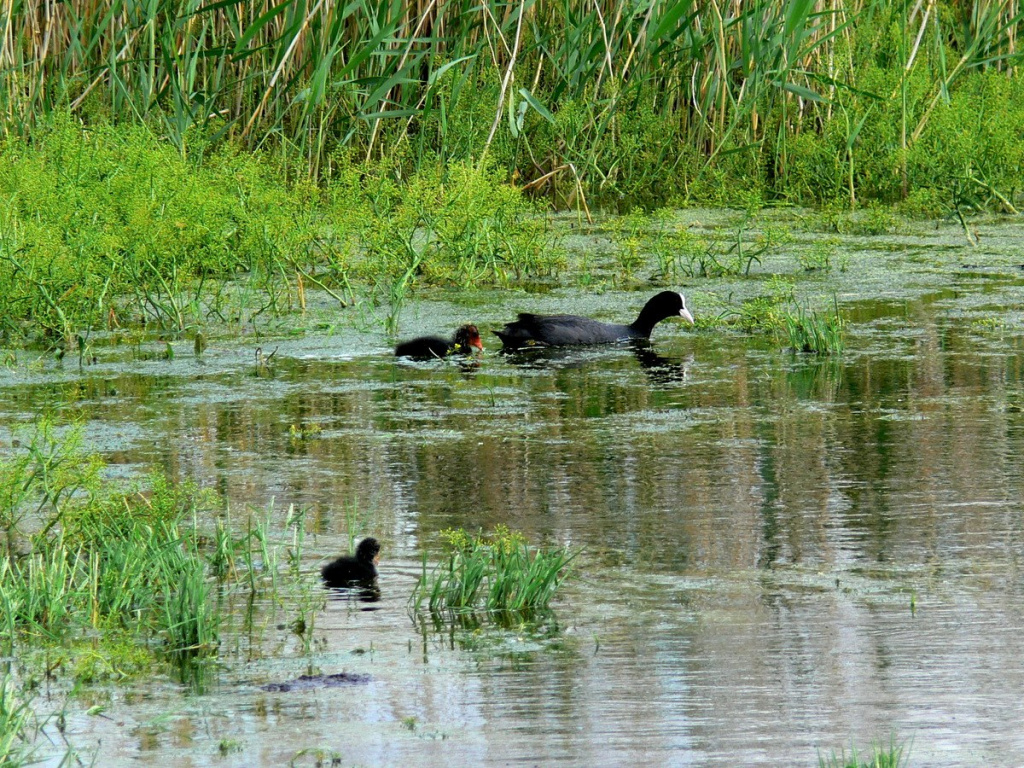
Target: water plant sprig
{"x": 812, "y": 332}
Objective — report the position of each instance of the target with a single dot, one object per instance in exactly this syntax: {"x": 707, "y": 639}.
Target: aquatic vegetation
{"x": 132, "y": 234}
{"x": 18, "y": 725}
{"x": 228, "y": 746}
{"x": 893, "y": 756}
{"x": 106, "y": 581}
{"x": 116, "y": 560}
{"x": 815, "y": 332}
{"x": 819, "y": 257}
{"x": 189, "y": 621}
{"x": 731, "y": 254}
{"x": 496, "y": 572}
{"x": 37, "y": 482}
{"x": 765, "y": 313}
{"x": 801, "y": 102}
{"x": 460, "y": 225}
{"x": 318, "y": 755}
{"x": 128, "y": 563}
{"x": 761, "y": 314}
{"x": 141, "y": 237}
{"x": 681, "y": 253}
{"x": 304, "y": 432}
{"x": 633, "y": 234}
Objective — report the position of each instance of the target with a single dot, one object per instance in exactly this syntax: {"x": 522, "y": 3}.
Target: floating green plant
{"x": 820, "y": 256}
{"x": 496, "y": 572}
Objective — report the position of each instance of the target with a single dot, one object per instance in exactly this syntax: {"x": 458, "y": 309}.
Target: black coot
{"x": 563, "y": 330}
{"x": 430, "y": 347}
{"x": 348, "y": 571}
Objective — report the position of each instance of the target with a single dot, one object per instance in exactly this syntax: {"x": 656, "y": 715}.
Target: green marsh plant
{"x": 892, "y": 756}
{"x": 189, "y": 620}
{"x": 18, "y": 725}
{"x": 105, "y": 226}
{"x": 102, "y": 581}
{"x": 820, "y": 257}
{"x": 632, "y": 235}
{"x": 812, "y": 332}
{"x": 499, "y": 572}
{"x": 90, "y": 557}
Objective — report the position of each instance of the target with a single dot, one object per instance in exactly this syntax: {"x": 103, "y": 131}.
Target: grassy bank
{"x": 110, "y": 228}
{"x": 108, "y": 235}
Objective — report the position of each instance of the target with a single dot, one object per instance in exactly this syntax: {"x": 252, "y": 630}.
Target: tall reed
{"x": 561, "y": 86}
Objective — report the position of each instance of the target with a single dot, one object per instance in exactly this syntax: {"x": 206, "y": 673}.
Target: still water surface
{"x": 781, "y": 555}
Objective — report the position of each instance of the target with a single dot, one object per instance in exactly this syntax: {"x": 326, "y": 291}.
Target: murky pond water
{"x": 781, "y": 554}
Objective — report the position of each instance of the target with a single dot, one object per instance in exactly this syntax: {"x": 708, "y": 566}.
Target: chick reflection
{"x": 357, "y": 575}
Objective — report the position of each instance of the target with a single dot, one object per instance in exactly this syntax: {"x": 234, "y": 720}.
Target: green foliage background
{"x": 173, "y": 163}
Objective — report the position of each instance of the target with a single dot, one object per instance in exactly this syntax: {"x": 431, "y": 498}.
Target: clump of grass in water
{"x": 894, "y": 756}
{"x": 499, "y": 572}
{"x": 820, "y": 256}
{"x": 815, "y": 333}
{"x": 104, "y": 559}
{"x": 93, "y": 573}
{"x": 189, "y": 621}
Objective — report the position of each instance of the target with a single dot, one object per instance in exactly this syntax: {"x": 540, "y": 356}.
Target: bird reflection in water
{"x": 658, "y": 368}
{"x": 661, "y": 369}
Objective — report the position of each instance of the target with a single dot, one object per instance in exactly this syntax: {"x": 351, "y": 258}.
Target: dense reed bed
{"x": 661, "y": 99}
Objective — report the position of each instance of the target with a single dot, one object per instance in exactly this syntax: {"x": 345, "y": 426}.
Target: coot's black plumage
{"x": 564, "y": 330}
{"x": 348, "y": 570}
{"x": 466, "y": 338}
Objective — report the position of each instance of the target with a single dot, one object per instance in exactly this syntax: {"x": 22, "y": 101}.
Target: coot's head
{"x": 670, "y": 304}
{"x": 468, "y": 336}
{"x": 666, "y": 304}
{"x": 368, "y": 550}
